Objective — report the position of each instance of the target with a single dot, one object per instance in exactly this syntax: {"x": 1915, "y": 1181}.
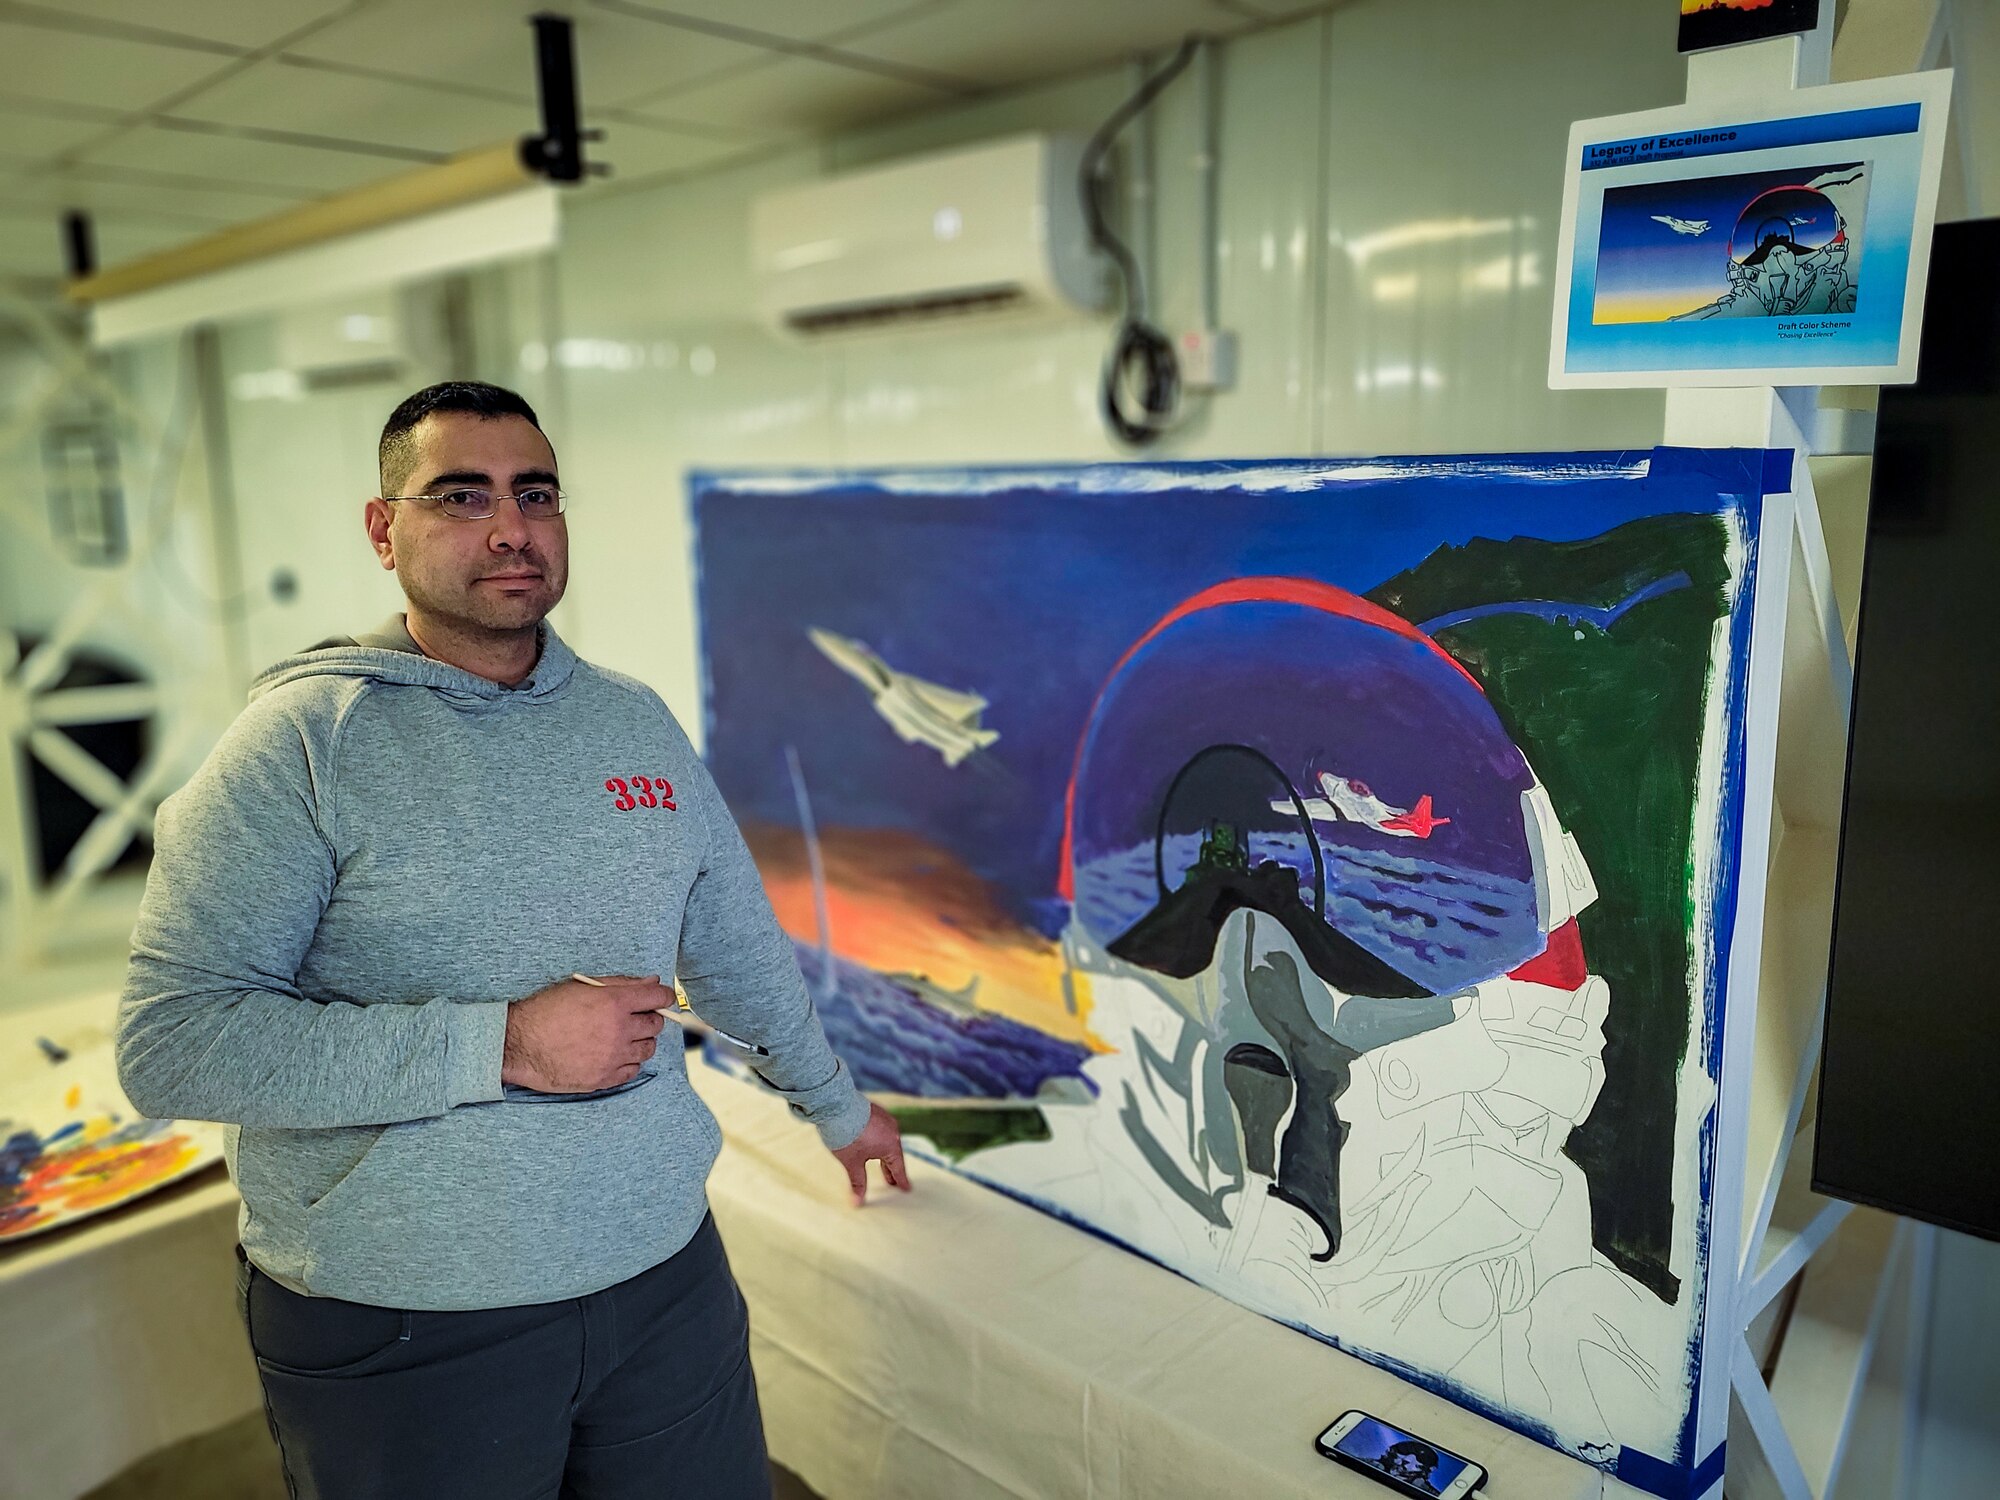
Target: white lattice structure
{"x": 1823, "y": 1319}
{"x": 35, "y": 709}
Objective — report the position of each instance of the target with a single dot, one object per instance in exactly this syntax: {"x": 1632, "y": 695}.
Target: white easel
{"x": 1863, "y": 1276}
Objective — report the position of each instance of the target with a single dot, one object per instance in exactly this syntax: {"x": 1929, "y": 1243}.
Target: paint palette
{"x": 71, "y": 1145}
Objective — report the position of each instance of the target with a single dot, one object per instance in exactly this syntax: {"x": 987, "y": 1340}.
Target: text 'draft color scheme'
{"x": 1318, "y": 877}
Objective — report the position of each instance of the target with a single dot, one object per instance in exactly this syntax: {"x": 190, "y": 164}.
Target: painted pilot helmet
{"x": 1288, "y": 747}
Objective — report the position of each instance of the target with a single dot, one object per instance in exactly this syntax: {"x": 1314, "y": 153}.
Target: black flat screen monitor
{"x": 1909, "y": 1106}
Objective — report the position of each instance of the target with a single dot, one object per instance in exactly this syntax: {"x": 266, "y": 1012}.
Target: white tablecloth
{"x": 118, "y": 1337}
{"x": 957, "y": 1345}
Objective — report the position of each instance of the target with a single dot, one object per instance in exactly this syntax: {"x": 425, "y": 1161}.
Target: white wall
{"x": 1389, "y": 180}
{"x": 1390, "y": 176}
{"x": 302, "y": 465}
{"x": 1958, "y": 1442}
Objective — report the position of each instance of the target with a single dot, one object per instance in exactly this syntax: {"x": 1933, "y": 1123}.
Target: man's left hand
{"x": 881, "y": 1141}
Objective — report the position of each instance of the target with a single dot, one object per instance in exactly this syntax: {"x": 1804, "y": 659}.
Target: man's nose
{"x": 508, "y": 529}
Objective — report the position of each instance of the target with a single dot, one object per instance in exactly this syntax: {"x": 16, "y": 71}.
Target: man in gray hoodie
{"x": 476, "y": 1254}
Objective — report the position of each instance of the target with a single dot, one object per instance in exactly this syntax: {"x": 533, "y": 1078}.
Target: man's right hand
{"x": 578, "y": 1038}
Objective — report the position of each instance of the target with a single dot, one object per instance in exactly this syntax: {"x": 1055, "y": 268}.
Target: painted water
{"x": 1446, "y": 926}
{"x": 894, "y": 1041}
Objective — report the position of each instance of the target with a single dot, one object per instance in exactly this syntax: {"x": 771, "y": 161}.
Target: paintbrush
{"x": 680, "y": 1003}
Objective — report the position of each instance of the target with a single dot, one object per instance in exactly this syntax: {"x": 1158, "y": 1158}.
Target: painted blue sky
{"x": 1029, "y": 595}
{"x": 1647, "y": 270}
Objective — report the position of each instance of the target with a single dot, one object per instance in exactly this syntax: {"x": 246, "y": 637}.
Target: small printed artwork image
{"x": 1722, "y": 23}
{"x": 1409, "y": 1460}
{"x": 1773, "y": 244}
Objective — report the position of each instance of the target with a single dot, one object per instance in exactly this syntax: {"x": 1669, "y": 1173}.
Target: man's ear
{"x": 378, "y": 517}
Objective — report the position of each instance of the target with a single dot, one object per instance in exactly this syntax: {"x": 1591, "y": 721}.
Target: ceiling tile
{"x": 617, "y": 56}
{"x": 799, "y": 94}
{"x": 128, "y": 239}
{"x": 807, "y": 20}
{"x": 240, "y": 23}
{"x": 121, "y": 192}
{"x": 275, "y": 96}
{"x": 33, "y": 246}
{"x": 232, "y": 158}
{"x": 996, "y": 42}
{"x": 1282, "y": 10}
{"x": 29, "y": 132}
{"x": 29, "y": 248}
{"x": 99, "y": 70}
{"x": 636, "y": 148}
{"x": 50, "y": 210}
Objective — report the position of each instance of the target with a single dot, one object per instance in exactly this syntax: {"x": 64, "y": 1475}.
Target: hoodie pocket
{"x": 513, "y": 1093}
{"x": 499, "y": 1204}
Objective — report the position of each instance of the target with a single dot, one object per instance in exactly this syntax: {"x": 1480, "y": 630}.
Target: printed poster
{"x": 1780, "y": 250}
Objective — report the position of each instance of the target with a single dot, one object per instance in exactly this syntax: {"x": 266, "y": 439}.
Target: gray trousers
{"x": 642, "y": 1391}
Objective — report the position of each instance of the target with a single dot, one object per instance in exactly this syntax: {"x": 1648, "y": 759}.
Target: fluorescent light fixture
{"x": 452, "y": 239}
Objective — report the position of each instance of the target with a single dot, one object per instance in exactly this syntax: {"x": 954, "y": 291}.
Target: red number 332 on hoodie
{"x": 641, "y": 791}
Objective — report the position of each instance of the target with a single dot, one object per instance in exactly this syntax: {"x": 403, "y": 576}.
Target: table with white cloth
{"x": 949, "y": 1345}
{"x": 954, "y": 1344}
{"x": 119, "y": 1336}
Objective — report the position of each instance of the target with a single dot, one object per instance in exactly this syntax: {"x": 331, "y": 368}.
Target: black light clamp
{"x": 557, "y": 153}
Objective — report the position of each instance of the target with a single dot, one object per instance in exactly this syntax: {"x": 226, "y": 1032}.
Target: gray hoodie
{"x": 380, "y": 854}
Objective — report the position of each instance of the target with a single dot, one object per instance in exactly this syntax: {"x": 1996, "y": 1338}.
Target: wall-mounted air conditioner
{"x": 345, "y": 340}
{"x": 989, "y": 233}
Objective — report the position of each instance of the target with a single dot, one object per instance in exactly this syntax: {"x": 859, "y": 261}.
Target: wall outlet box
{"x": 1207, "y": 359}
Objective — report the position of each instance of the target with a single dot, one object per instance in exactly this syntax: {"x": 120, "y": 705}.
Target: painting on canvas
{"x": 1315, "y": 876}
{"x": 1778, "y": 244}
{"x": 72, "y": 1146}
{"x": 1724, "y": 23}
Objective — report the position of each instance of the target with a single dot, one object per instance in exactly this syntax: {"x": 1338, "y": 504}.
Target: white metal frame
{"x": 33, "y": 712}
{"x": 1783, "y": 1386}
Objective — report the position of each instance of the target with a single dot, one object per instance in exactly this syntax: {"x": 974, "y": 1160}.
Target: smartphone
{"x": 1408, "y": 1464}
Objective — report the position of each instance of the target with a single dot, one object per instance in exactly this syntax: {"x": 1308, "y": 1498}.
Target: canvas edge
{"x": 1719, "y": 1325}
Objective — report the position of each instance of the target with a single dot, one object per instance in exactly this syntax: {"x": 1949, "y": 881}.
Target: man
{"x": 391, "y": 934}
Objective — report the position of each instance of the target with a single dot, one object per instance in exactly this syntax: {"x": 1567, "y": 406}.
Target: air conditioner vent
{"x": 925, "y": 307}
{"x": 988, "y": 233}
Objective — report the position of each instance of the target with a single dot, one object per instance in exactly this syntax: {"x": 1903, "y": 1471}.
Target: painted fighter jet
{"x": 921, "y": 713}
{"x": 1350, "y": 801}
{"x": 1682, "y": 226}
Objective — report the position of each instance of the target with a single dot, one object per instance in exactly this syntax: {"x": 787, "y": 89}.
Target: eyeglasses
{"x": 538, "y": 502}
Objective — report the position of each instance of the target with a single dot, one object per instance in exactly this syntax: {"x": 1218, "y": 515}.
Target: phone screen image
{"x": 1410, "y": 1461}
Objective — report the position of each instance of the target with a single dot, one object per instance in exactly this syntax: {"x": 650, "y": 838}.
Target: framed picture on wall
{"x": 1778, "y": 246}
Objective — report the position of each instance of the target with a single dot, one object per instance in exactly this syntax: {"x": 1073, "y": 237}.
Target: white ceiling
{"x": 169, "y": 119}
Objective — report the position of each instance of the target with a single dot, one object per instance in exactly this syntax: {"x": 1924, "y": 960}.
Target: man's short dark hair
{"x": 394, "y": 453}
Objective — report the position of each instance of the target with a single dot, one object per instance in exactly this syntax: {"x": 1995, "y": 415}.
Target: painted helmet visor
{"x": 1801, "y": 219}
{"x": 1314, "y": 758}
